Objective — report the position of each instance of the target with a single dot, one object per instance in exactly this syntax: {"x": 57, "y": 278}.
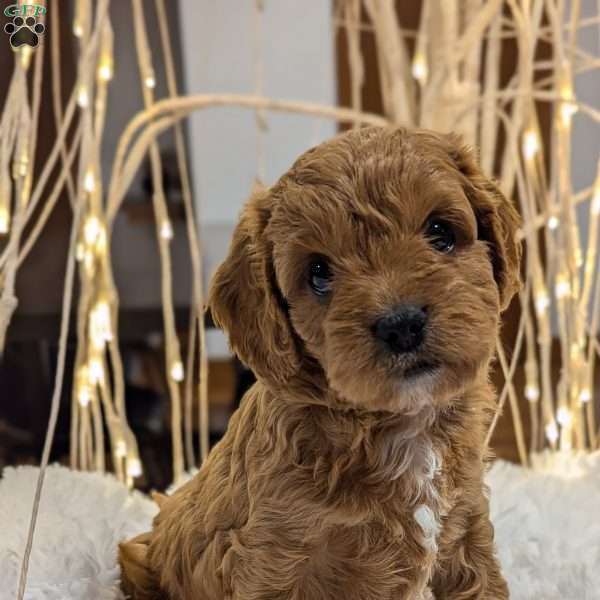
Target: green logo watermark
{"x": 24, "y": 28}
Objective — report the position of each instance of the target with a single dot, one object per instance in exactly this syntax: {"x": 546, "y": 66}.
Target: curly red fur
{"x": 340, "y": 477}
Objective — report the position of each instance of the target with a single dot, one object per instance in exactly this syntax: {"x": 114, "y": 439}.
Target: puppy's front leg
{"x": 470, "y": 569}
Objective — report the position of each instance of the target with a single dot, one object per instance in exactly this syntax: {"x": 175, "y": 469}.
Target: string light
{"x": 4, "y": 220}
{"x": 89, "y": 181}
{"x": 96, "y": 371}
{"x": 532, "y": 392}
{"x": 562, "y": 288}
{"x": 531, "y": 144}
{"x": 420, "y": 69}
{"x": 105, "y": 62}
{"x": 552, "y": 432}
{"x": 150, "y": 80}
{"x": 166, "y": 230}
{"x": 77, "y": 29}
{"x": 100, "y": 324}
{"x": 563, "y": 416}
{"x": 553, "y": 222}
{"x": 91, "y": 230}
{"x": 542, "y": 301}
{"x": 567, "y": 110}
{"x": 83, "y": 97}
{"x": 134, "y": 467}
{"x": 177, "y": 373}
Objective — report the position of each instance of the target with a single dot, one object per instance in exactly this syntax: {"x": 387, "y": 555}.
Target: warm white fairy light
{"x": 134, "y": 467}
{"x": 531, "y": 144}
{"x": 89, "y": 181}
{"x": 562, "y": 288}
{"x": 150, "y": 80}
{"x": 83, "y": 396}
{"x": 77, "y": 29}
{"x": 585, "y": 395}
{"x": 105, "y": 71}
{"x": 532, "y": 392}
{"x": 96, "y": 371}
{"x": 4, "y": 220}
{"x": 567, "y": 110}
{"x": 176, "y": 371}
{"x": 83, "y": 96}
{"x": 552, "y": 432}
{"x": 553, "y": 222}
{"x": 100, "y": 324}
{"x": 166, "y": 230}
{"x": 91, "y": 230}
{"x": 420, "y": 69}
{"x": 563, "y": 416}
{"x": 542, "y": 301}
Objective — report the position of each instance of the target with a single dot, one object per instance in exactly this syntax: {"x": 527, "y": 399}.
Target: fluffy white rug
{"x": 547, "y": 530}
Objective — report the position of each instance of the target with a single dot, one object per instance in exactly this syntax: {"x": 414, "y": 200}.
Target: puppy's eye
{"x": 320, "y": 276}
{"x": 441, "y": 236}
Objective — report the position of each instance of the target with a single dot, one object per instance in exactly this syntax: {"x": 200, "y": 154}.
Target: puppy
{"x": 364, "y": 290}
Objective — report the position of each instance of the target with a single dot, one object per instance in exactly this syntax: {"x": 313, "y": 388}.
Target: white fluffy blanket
{"x": 547, "y": 529}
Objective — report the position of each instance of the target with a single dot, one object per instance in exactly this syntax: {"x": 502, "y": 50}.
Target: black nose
{"x": 403, "y": 330}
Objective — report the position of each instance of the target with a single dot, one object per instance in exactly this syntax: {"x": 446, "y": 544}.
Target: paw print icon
{"x": 24, "y": 31}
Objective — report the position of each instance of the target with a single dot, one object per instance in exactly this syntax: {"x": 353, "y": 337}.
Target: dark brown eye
{"x": 320, "y": 276}
{"x": 441, "y": 236}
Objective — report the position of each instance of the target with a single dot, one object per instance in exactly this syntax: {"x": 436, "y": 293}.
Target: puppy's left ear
{"x": 497, "y": 221}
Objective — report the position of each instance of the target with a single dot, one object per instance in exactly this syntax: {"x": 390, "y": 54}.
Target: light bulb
{"x": 562, "y": 287}
{"x": 552, "y": 432}
{"x": 542, "y": 302}
{"x": 83, "y": 97}
{"x": 567, "y": 110}
{"x": 105, "y": 70}
{"x": 4, "y": 220}
{"x": 91, "y": 230}
{"x": 89, "y": 181}
{"x": 96, "y": 371}
{"x": 553, "y": 222}
{"x": 531, "y": 144}
{"x": 585, "y": 395}
{"x": 177, "y": 370}
{"x": 166, "y": 230}
{"x": 77, "y": 29}
{"x": 134, "y": 467}
{"x": 83, "y": 396}
{"x": 420, "y": 70}
{"x": 532, "y": 392}
{"x": 100, "y": 324}
{"x": 150, "y": 80}
{"x": 563, "y": 416}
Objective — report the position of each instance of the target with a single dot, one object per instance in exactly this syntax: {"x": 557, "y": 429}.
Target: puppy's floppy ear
{"x": 245, "y": 299}
{"x": 497, "y": 220}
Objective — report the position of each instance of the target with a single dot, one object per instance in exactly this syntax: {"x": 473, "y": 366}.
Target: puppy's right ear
{"x": 245, "y": 299}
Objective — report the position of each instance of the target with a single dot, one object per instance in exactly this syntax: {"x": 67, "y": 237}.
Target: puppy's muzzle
{"x": 402, "y": 330}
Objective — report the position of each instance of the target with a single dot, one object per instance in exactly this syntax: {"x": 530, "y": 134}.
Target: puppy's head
{"x": 383, "y": 255}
